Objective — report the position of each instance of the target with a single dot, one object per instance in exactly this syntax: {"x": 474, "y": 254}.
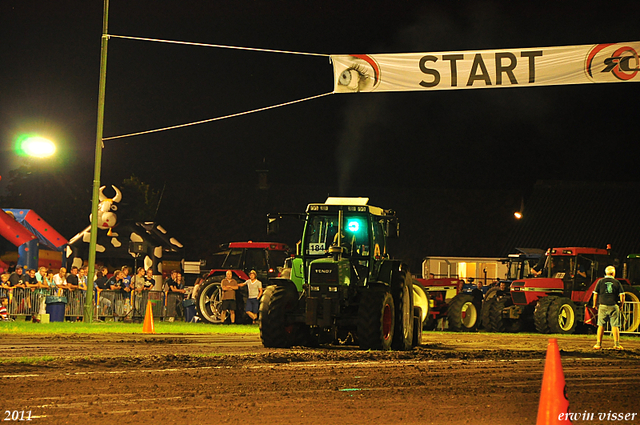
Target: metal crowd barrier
{"x": 630, "y": 319}
{"x": 25, "y": 301}
{"x": 173, "y": 305}
{"x": 109, "y": 305}
{"x": 119, "y": 305}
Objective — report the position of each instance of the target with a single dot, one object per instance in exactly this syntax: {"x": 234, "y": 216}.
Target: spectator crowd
{"x": 120, "y": 294}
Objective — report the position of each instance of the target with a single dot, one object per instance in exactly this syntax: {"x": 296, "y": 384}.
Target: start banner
{"x": 599, "y": 63}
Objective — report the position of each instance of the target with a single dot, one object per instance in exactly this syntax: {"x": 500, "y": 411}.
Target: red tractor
{"x": 557, "y": 301}
{"x": 266, "y": 258}
{"x": 440, "y": 291}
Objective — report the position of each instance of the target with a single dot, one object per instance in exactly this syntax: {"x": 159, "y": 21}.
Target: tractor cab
{"x": 343, "y": 238}
{"x": 568, "y": 272}
{"x": 519, "y": 264}
{"x": 266, "y": 258}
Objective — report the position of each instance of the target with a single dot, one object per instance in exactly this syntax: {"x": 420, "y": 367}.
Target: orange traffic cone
{"x": 554, "y": 406}
{"x": 147, "y": 326}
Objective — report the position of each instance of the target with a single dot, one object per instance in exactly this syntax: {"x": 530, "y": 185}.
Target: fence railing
{"x": 630, "y": 320}
{"x": 108, "y": 304}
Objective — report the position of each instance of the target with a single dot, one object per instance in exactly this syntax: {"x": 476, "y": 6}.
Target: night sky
{"x": 503, "y": 139}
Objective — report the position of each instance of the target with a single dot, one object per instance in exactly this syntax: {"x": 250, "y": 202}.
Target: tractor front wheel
{"x": 277, "y": 302}
{"x": 498, "y": 322}
{"x": 562, "y": 316}
{"x": 485, "y": 313}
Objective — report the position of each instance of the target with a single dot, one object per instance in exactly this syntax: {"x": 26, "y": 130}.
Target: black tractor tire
{"x": 485, "y": 313}
{"x": 562, "y": 316}
{"x": 463, "y": 313}
{"x": 487, "y": 305}
{"x": 492, "y": 293}
{"x": 376, "y": 317}
{"x": 277, "y": 302}
{"x": 630, "y": 320}
{"x": 417, "y": 327}
{"x": 209, "y": 300}
{"x": 541, "y": 314}
{"x": 402, "y": 292}
{"x": 500, "y": 323}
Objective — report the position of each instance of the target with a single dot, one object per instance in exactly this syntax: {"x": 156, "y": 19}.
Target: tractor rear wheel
{"x": 277, "y": 302}
{"x": 630, "y": 320}
{"x": 209, "y": 301}
{"x": 463, "y": 313}
{"x": 562, "y": 316}
{"x": 402, "y": 292}
{"x": 498, "y": 322}
{"x": 376, "y": 317}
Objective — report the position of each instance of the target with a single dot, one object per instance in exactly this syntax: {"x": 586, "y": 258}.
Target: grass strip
{"x": 24, "y": 327}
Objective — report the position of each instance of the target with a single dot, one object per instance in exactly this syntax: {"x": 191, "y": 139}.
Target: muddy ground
{"x": 474, "y": 378}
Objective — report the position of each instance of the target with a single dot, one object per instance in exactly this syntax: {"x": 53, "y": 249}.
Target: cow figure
{"x": 106, "y": 216}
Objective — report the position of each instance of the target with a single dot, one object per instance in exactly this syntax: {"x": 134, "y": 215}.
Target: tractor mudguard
{"x": 386, "y": 269}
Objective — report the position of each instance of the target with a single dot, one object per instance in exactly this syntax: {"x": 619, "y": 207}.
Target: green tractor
{"x": 343, "y": 287}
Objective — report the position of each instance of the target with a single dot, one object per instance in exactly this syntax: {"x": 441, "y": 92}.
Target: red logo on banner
{"x": 612, "y": 62}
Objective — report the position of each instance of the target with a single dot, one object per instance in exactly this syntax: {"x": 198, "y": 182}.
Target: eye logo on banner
{"x": 611, "y": 62}
{"x": 362, "y": 75}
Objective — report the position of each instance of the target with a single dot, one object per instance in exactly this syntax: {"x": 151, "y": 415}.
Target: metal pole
{"x": 88, "y": 306}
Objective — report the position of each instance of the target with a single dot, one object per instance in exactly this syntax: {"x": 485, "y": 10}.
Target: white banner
{"x": 599, "y": 63}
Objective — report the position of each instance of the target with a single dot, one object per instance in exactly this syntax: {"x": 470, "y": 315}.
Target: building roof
{"x": 588, "y": 214}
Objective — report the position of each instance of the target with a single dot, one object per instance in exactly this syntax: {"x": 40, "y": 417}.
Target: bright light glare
{"x": 353, "y": 226}
{"x": 517, "y": 215}
{"x": 36, "y": 146}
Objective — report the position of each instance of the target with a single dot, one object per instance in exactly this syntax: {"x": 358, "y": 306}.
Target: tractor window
{"x": 560, "y": 266}
{"x": 233, "y": 260}
{"x": 515, "y": 266}
{"x": 583, "y": 273}
{"x": 356, "y": 236}
{"x": 322, "y": 232}
{"x": 276, "y": 260}
{"x": 255, "y": 259}
{"x": 319, "y": 234}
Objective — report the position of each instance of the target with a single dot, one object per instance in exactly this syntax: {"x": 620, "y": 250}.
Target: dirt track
{"x": 206, "y": 379}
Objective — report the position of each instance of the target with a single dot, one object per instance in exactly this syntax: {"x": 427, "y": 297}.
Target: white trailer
{"x": 487, "y": 269}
